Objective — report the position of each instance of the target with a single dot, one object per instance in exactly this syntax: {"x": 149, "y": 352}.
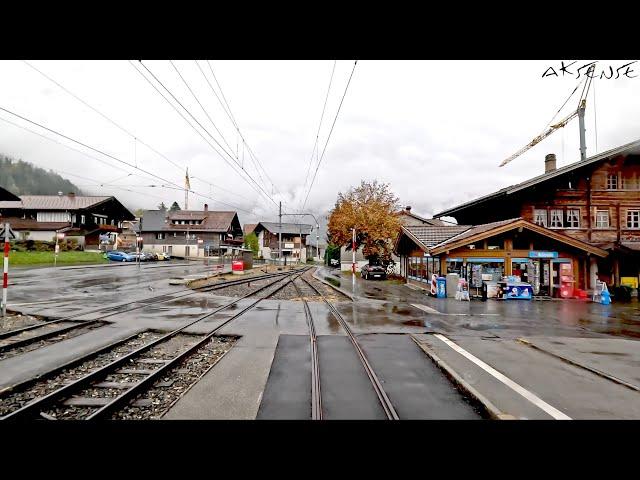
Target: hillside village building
{"x": 83, "y": 218}
{"x": 293, "y": 238}
{"x": 191, "y": 233}
{"x": 585, "y": 215}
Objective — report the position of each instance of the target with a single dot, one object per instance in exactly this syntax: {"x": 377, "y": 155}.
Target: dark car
{"x": 148, "y": 257}
{"x": 373, "y": 270}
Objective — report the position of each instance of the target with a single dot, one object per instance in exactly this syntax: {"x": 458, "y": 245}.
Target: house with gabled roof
{"x": 79, "y": 217}
{"x": 191, "y": 233}
{"x": 562, "y": 231}
{"x": 291, "y": 238}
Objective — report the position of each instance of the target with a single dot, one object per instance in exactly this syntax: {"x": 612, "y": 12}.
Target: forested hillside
{"x": 22, "y": 178}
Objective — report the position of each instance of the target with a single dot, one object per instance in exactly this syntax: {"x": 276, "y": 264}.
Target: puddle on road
{"x": 613, "y": 354}
{"x": 400, "y": 311}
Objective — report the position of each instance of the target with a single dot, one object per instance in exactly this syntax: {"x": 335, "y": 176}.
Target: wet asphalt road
{"x": 512, "y": 318}
{"x": 267, "y": 373}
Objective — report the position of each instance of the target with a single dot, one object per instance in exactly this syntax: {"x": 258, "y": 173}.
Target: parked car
{"x": 147, "y": 257}
{"x": 118, "y": 256}
{"x": 373, "y": 270}
{"x": 162, "y": 256}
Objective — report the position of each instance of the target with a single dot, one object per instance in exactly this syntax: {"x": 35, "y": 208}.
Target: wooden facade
{"x": 596, "y": 201}
{"x": 512, "y": 247}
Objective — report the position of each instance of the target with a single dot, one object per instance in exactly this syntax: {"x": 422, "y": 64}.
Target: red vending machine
{"x": 567, "y": 281}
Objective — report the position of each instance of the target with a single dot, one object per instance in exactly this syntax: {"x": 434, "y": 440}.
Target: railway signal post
{"x": 5, "y": 276}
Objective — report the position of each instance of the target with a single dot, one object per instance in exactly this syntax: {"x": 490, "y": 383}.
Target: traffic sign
{"x": 12, "y": 234}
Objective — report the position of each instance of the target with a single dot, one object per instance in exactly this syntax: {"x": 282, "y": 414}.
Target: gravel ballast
{"x": 14, "y": 399}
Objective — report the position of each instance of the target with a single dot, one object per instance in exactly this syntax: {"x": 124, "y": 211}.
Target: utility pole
{"x": 583, "y": 141}
{"x": 280, "y": 233}
{"x": 353, "y": 252}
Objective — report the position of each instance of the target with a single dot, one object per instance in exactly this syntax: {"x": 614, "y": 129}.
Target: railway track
{"x": 24, "y": 280}
{"x": 17, "y": 339}
{"x": 113, "y": 386}
{"x": 316, "y": 392}
{"x": 383, "y": 398}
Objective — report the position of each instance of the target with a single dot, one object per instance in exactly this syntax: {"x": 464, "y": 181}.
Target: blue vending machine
{"x": 441, "y": 287}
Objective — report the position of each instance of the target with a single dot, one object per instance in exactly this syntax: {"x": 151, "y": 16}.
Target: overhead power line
{"x": 113, "y": 157}
{"x": 315, "y": 145}
{"x": 202, "y": 107}
{"x": 113, "y": 122}
{"x": 329, "y": 136}
{"x": 255, "y": 160}
{"x": 202, "y": 127}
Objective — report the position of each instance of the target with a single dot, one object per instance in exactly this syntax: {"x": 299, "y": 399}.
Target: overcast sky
{"x": 435, "y": 130}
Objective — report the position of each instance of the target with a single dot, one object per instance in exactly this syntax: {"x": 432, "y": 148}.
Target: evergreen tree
{"x": 174, "y": 207}
{"x": 22, "y": 178}
{"x": 162, "y": 207}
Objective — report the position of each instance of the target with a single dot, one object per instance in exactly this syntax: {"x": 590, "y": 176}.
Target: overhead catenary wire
{"x": 113, "y": 122}
{"x": 256, "y": 162}
{"x": 202, "y": 107}
{"x": 329, "y": 136}
{"x": 315, "y": 145}
{"x": 197, "y": 131}
{"x": 186, "y": 120}
{"x": 111, "y": 156}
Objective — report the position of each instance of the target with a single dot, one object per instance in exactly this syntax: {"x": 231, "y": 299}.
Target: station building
{"x": 490, "y": 251}
{"x": 595, "y": 201}
{"x": 586, "y": 214}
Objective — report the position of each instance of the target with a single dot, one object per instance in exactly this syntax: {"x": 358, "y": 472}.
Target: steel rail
{"x": 388, "y": 407}
{"x": 26, "y": 383}
{"x": 32, "y": 408}
{"x": 316, "y": 393}
{"x": 44, "y": 336}
{"x": 204, "y": 289}
{"x": 158, "y": 373}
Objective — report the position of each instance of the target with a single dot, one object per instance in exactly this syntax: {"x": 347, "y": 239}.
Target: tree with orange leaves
{"x": 370, "y": 208}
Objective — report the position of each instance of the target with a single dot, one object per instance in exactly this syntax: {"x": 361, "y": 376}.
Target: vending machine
{"x": 567, "y": 280}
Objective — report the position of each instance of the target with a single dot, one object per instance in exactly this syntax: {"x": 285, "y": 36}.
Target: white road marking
{"x": 433, "y": 310}
{"x": 537, "y": 401}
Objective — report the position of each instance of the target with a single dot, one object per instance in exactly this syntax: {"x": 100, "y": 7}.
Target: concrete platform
{"x": 287, "y": 395}
{"x": 572, "y": 391}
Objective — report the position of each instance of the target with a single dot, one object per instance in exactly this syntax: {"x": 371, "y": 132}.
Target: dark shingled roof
{"x": 287, "y": 228}
{"x": 31, "y": 224}
{"x": 471, "y": 231}
{"x": 160, "y": 220}
{"x": 430, "y": 235}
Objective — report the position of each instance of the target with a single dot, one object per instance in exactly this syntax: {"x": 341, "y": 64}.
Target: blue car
{"x": 120, "y": 257}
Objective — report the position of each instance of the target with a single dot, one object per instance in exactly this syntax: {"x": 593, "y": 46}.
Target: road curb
{"x": 490, "y": 409}
{"x": 338, "y": 289}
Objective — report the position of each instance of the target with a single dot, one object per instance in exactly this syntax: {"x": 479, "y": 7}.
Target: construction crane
{"x": 579, "y": 112}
